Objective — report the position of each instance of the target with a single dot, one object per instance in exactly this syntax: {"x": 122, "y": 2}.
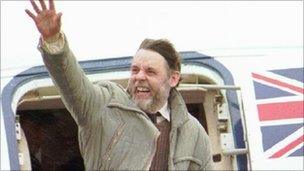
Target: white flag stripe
{"x": 280, "y": 99}
{"x": 282, "y": 122}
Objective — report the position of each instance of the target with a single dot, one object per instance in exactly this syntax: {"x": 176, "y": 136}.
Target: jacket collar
{"x": 179, "y": 112}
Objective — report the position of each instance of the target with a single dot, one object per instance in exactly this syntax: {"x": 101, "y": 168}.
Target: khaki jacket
{"x": 113, "y": 133}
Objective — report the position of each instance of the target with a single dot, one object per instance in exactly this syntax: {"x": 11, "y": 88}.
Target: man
{"x": 117, "y": 129}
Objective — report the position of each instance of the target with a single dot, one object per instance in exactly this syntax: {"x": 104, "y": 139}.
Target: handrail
{"x": 212, "y": 86}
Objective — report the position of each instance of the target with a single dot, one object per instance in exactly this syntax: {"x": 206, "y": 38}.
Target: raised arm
{"x": 80, "y": 96}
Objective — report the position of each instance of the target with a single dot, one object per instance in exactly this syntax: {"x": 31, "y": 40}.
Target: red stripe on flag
{"x": 288, "y": 147}
{"x": 284, "y": 110}
{"x": 280, "y": 83}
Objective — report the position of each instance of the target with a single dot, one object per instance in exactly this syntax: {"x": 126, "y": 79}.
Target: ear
{"x": 174, "y": 78}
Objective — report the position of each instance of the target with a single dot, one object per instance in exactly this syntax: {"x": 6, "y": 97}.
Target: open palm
{"x": 47, "y": 21}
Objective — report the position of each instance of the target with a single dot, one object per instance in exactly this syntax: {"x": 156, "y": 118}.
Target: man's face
{"x": 150, "y": 82}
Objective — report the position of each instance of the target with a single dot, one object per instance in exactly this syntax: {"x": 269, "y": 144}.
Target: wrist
{"x": 53, "y": 44}
{"x": 51, "y": 39}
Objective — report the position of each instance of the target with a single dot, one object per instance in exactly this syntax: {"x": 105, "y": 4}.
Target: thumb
{"x": 59, "y": 17}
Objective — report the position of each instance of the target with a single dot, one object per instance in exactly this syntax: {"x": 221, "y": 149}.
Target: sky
{"x": 103, "y": 29}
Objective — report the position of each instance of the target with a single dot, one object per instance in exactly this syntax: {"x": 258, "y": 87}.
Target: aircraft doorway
{"x": 51, "y": 132}
{"x": 52, "y": 139}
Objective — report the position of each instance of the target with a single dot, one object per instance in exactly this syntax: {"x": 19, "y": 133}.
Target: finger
{"x": 35, "y": 7}
{"x": 42, "y": 4}
{"x": 59, "y": 16}
{"x": 52, "y": 6}
{"x": 29, "y": 13}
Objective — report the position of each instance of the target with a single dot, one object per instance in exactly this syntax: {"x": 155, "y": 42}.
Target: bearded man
{"x": 146, "y": 127}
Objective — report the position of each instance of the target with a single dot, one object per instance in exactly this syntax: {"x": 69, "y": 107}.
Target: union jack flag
{"x": 279, "y": 98}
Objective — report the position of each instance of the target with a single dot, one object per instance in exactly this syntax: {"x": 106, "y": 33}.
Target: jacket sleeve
{"x": 80, "y": 96}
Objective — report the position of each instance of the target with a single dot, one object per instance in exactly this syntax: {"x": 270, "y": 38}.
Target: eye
{"x": 134, "y": 70}
{"x": 151, "y": 71}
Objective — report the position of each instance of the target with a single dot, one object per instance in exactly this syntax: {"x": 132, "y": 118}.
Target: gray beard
{"x": 153, "y": 104}
{"x": 148, "y": 106}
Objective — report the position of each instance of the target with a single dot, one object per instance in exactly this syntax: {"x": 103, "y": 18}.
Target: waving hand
{"x": 47, "y": 21}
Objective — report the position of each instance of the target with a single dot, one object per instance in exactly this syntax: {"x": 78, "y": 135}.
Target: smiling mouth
{"x": 142, "y": 91}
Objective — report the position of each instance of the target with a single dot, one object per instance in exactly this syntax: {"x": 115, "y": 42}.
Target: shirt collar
{"x": 165, "y": 112}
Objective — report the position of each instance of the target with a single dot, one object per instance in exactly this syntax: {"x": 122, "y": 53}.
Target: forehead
{"x": 148, "y": 58}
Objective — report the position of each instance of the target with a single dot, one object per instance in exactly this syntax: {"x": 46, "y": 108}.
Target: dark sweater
{"x": 160, "y": 160}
